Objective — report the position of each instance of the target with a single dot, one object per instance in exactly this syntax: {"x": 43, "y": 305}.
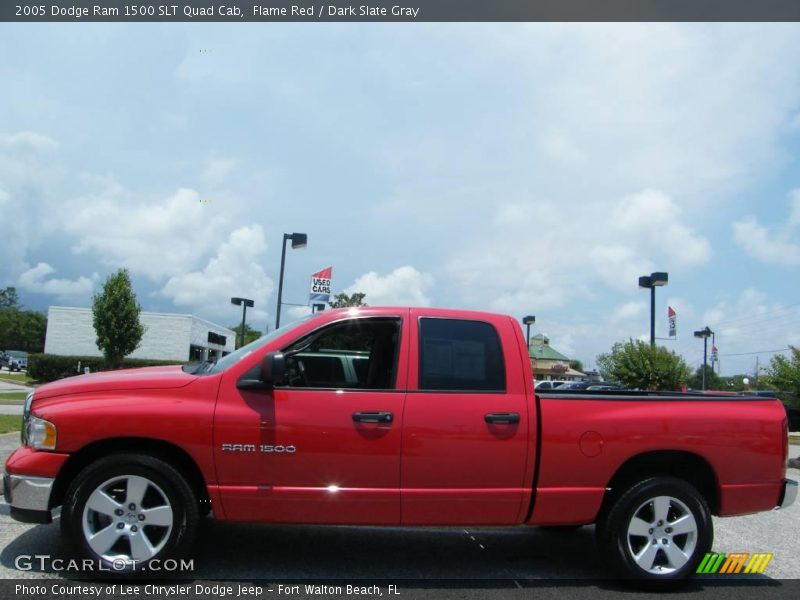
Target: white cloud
{"x": 234, "y": 271}
{"x": 217, "y": 169}
{"x": 37, "y": 280}
{"x": 629, "y": 310}
{"x": 764, "y": 245}
{"x": 556, "y": 144}
{"x": 27, "y": 140}
{"x": 653, "y": 219}
{"x": 27, "y": 174}
{"x": 294, "y": 312}
{"x": 405, "y": 286}
{"x": 794, "y": 203}
{"x": 563, "y": 256}
{"x": 158, "y": 238}
{"x": 780, "y": 247}
{"x": 753, "y": 322}
{"x": 511, "y": 215}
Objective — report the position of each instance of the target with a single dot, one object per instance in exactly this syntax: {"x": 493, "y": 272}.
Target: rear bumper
{"x": 28, "y": 497}
{"x": 788, "y": 493}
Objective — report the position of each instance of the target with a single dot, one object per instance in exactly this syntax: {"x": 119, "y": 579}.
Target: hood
{"x": 147, "y": 378}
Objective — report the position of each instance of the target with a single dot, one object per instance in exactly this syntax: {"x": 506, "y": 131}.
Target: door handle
{"x": 372, "y": 417}
{"x": 501, "y": 418}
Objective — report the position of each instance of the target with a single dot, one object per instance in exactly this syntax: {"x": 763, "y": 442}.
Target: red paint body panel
{"x": 456, "y": 468}
{"x": 25, "y": 461}
{"x": 437, "y": 463}
{"x": 148, "y": 378}
{"x": 342, "y": 472}
{"x": 741, "y": 440}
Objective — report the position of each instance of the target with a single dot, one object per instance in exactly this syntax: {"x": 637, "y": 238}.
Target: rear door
{"x": 466, "y": 427}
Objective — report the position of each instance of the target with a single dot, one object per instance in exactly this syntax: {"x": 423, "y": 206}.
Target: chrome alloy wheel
{"x": 662, "y": 535}
{"x": 127, "y": 518}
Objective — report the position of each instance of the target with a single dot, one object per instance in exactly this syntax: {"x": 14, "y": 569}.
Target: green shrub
{"x": 49, "y": 367}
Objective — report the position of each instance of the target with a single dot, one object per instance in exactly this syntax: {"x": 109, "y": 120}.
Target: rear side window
{"x": 458, "y": 354}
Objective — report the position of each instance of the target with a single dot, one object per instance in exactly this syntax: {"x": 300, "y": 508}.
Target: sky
{"x": 517, "y": 168}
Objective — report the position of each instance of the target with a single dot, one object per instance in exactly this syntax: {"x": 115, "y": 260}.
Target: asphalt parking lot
{"x": 246, "y": 552}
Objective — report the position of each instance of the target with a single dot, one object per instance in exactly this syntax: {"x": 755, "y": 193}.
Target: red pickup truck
{"x": 390, "y": 416}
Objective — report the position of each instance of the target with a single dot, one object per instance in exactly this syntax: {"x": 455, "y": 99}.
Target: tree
{"x": 9, "y": 298}
{"x": 250, "y": 334}
{"x": 733, "y": 383}
{"x": 638, "y": 365}
{"x": 713, "y": 381}
{"x": 784, "y": 374}
{"x": 343, "y": 300}
{"x": 576, "y": 365}
{"x": 22, "y": 330}
{"x": 115, "y": 313}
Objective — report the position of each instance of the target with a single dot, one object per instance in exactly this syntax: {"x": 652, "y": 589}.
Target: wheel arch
{"x": 688, "y": 466}
{"x": 166, "y": 451}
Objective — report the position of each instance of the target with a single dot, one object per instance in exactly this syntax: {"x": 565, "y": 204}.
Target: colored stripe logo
{"x": 734, "y": 563}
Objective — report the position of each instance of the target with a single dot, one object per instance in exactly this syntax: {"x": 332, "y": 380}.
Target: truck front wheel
{"x": 659, "y": 530}
{"x": 127, "y": 510}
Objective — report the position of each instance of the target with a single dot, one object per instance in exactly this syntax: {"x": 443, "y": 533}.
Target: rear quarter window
{"x": 460, "y": 355}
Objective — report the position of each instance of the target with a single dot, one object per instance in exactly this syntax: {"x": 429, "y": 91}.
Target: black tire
{"x": 620, "y": 542}
{"x": 117, "y": 476}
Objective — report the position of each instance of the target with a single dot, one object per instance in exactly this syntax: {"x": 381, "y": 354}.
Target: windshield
{"x": 234, "y": 357}
{"x": 17, "y": 354}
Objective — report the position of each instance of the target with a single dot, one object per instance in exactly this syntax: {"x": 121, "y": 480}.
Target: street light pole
{"x": 705, "y": 334}
{"x": 653, "y": 281}
{"x": 299, "y": 240}
{"x": 652, "y": 316}
{"x": 713, "y": 356}
{"x": 528, "y": 321}
{"x": 244, "y": 302}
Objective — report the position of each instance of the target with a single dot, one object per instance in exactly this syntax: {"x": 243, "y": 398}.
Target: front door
{"x": 327, "y": 444}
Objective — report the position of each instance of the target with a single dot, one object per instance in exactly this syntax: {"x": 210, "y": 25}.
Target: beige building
{"x": 548, "y": 363}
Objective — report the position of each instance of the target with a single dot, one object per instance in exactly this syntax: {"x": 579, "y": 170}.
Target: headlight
{"x": 36, "y": 433}
{"x": 41, "y": 434}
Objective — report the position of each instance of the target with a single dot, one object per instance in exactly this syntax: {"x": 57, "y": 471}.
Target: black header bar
{"x": 240, "y": 11}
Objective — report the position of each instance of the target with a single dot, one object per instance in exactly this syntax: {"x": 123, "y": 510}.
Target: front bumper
{"x": 788, "y": 493}
{"x": 28, "y": 497}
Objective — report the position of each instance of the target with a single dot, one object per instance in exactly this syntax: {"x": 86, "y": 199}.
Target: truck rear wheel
{"x": 657, "y": 531}
{"x": 126, "y": 510}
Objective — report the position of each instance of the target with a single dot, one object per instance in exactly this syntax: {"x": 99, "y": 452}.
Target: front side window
{"x": 359, "y": 354}
{"x": 458, "y": 354}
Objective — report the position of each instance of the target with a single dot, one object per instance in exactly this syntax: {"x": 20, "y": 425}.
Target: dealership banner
{"x": 672, "y": 316}
{"x": 321, "y": 286}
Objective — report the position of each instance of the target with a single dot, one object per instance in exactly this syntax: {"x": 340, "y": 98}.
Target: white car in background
{"x": 543, "y": 386}
{"x": 16, "y": 360}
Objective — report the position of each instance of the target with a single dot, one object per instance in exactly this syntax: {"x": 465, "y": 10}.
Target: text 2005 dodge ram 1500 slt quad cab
{"x": 390, "y": 416}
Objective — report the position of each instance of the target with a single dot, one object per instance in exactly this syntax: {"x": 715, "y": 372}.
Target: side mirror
{"x": 273, "y": 368}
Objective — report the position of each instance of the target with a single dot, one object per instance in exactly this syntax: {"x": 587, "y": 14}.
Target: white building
{"x": 183, "y": 338}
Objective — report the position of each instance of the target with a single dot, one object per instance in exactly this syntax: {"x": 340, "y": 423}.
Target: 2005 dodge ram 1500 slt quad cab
{"x": 390, "y": 416}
